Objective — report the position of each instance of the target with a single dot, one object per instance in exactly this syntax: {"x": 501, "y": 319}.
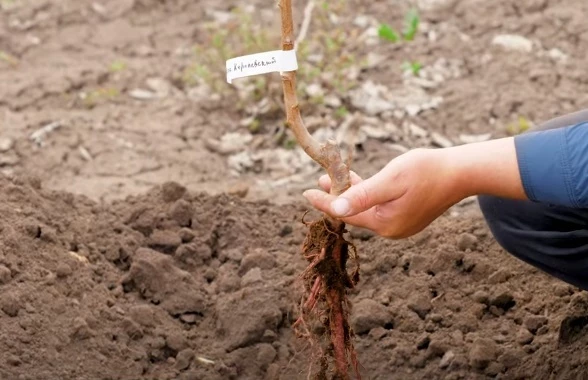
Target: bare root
{"x": 326, "y": 307}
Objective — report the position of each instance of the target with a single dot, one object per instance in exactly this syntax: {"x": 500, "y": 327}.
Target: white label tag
{"x": 261, "y": 63}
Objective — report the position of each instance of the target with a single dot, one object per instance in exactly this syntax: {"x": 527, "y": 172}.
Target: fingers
{"x": 380, "y": 188}
{"x": 325, "y": 181}
{"x": 320, "y": 200}
{"x": 323, "y": 201}
{"x": 359, "y": 197}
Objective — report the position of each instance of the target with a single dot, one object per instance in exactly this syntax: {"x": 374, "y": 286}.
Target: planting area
{"x": 151, "y": 214}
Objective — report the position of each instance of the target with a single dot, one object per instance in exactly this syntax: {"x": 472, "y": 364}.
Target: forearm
{"x": 547, "y": 166}
{"x": 489, "y": 167}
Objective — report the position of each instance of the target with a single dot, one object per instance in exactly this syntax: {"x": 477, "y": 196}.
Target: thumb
{"x": 358, "y": 198}
{"x": 363, "y": 196}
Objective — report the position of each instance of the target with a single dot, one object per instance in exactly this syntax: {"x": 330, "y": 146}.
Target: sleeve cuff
{"x": 544, "y": 167}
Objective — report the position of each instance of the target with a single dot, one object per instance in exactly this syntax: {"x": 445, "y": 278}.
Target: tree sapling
{"x": 326, "y": 278}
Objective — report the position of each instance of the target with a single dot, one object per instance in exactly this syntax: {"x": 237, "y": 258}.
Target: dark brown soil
{"x": 173, "y": 285}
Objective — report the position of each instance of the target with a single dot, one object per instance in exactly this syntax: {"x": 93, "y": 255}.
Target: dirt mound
{"x": 173, "y": 285}
{"x": 146, "y": 288}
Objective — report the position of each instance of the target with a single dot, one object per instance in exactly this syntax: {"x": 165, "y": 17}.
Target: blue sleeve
{"x": 554, "y": 165}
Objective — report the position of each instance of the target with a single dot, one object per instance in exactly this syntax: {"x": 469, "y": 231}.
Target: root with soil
{"x": 326, "y": 307}
{"x": 324, "y": 314}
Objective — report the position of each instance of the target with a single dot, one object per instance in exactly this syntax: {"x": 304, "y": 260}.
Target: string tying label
{"x": 261, "y": 63}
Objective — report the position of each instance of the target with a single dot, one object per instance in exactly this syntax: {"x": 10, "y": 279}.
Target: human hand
{"x": 402, "y": 199}
{"x": 415, "y": 188}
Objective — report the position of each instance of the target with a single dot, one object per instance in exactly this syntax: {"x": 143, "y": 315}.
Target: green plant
{"x": 413, "y": 67}
{"x": 411, "y": 26}
{"x": 329, "y": 47}
{"x": 341, "y": 112}
{"x": 241, "y": 37}
{"x": 386, "y": 32}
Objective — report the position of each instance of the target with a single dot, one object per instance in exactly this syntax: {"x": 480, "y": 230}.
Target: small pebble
{"x": 184, "y": 359}
{"x": 446, "y": 359}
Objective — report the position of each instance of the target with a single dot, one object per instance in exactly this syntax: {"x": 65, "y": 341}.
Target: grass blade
{"x": 386, "y": 32}
{"x": 411, "y": 25}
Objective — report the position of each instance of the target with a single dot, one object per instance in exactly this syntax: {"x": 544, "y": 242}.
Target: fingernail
{"x": 305, "y": 194}
{"x": 340, "y": 206}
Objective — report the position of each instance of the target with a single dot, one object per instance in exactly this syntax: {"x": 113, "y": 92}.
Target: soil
{"x": 131, "y": 249}
{"x": 175, "y": 285}
{"x": 67, "y": 67}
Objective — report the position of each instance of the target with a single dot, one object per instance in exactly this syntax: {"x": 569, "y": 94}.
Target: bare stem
{"x": 328, "y": 155}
